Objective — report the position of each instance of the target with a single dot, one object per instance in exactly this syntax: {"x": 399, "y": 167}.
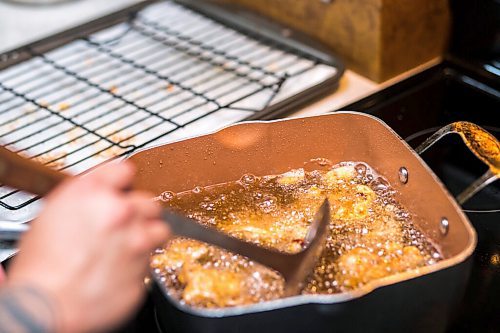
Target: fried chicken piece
{"x": 291, "y": 177}
{"x": 339, "y": 175}
{"x": 210, "y": 287}
{"x": 360, "y": 266}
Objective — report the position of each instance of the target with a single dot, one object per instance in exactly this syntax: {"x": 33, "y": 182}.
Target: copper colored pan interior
{"x": 264, "y": 148}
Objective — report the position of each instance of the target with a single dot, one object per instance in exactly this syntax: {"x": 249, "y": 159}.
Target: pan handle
{"x": 27, "y": 175}
{"x": 481, "y": 143}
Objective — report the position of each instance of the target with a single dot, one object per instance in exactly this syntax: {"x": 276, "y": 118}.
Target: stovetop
{"x": 415, "y": 108}
{"x": 418, "y": 106}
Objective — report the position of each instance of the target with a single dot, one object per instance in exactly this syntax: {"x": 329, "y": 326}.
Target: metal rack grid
{"x": 166, "y": 74}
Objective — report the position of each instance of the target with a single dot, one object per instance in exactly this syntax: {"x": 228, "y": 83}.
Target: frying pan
{"x": 419, "y": 300}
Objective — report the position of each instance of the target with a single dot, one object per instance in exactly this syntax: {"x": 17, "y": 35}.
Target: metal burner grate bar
{"x": 166, "y": 74}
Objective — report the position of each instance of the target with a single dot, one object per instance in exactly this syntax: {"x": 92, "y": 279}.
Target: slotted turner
{"x": 26, "y": 175}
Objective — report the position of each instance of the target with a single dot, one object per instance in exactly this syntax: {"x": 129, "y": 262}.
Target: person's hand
{"x": 2, "y": 275}
{"x": 88, "y": 251}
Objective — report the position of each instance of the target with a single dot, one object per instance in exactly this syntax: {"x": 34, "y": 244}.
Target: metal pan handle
{"x": 481, "y": 143}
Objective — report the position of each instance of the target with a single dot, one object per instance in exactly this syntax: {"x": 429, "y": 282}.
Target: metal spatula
{"x": 35, "y": 178}
{"x": 294, "y": 267}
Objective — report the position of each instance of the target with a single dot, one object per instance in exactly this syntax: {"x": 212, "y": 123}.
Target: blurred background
{"x": 86, "y": 81}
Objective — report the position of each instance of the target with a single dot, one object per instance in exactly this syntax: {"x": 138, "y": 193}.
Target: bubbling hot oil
{"x": 371, "y": 235}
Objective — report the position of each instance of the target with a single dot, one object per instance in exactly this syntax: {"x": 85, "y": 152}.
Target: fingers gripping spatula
{"x": 26, "y": 175}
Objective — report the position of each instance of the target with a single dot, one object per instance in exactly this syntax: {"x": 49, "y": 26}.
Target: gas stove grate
{"x": 163, "y": 75}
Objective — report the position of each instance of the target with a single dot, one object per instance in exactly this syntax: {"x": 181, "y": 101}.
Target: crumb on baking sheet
{"x": 113, "y": 89}
{"x": 44, "y": 104}
{"x": 63, "y": 106}
{"x": 121, "y": 138}
{"x": 52, "y": 160}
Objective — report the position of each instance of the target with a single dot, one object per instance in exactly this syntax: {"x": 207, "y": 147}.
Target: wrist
{"x": 26, "y": 309}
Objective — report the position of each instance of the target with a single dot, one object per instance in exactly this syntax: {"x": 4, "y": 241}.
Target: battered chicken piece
{"x": 339, "y": 175}
{"x": 314, "y": 192}
{"x": 209, "y": 287}
{"x": 291, "y": 177}
{"x": 352, "y": 203}
{"x": 385, "y": 228}
{"x": 180, "y": 251}
{"x": 357, "y": 267}
{"x": 283, "y": 230}
{"x": 205, "y": 276}
{"x": 360, "y": 266}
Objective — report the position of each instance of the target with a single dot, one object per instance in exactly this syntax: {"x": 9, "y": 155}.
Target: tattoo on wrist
{"x": 25, "y": 310}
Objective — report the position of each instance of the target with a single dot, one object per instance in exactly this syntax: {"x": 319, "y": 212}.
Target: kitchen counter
{"x": 354, "y": 87}
{"x": 21, "y": 24}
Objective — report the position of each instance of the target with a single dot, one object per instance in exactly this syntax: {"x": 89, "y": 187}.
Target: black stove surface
{"x": 415, "y": 108}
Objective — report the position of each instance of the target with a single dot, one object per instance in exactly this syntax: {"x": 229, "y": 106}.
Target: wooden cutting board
{"x": 376, "y": 38}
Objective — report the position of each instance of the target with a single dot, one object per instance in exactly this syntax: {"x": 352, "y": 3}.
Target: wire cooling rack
{"x": 163, "y": 75}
